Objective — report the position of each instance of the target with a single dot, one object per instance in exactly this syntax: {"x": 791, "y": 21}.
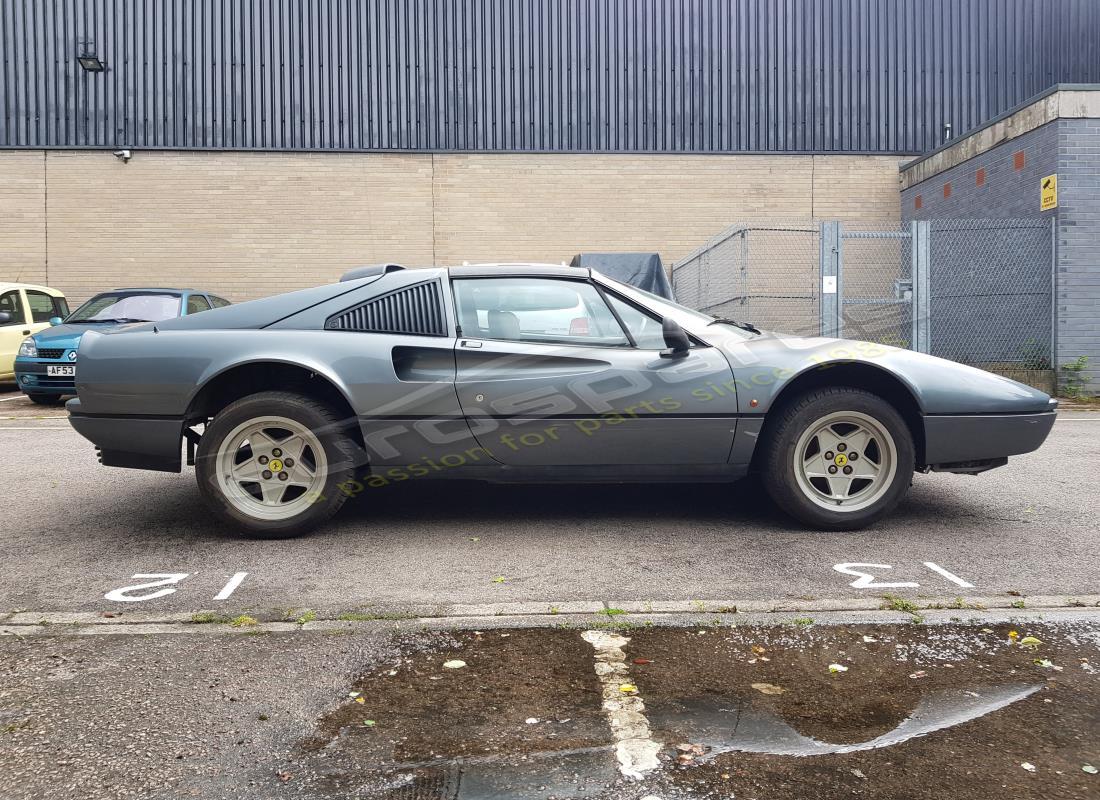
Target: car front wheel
{"x": 838, "y": 458}
{"x": 45, "y": 399}
{"x": 271, "y": 464}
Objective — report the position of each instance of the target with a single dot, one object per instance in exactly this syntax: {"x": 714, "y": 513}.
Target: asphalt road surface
{"x": 74, "y": 533}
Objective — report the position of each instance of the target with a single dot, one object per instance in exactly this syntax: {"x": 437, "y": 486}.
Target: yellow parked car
{"x": 25, "y": 309}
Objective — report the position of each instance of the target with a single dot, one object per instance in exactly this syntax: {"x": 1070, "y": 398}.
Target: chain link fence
{"x": 764, "y": 274}
{"x": 990, "y": 292}
{"x": 978, "y": 291}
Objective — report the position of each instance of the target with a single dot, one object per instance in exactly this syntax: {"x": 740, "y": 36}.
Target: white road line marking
{"x": 1078, "y": 419}
{"x": 634, "y": 746}
{"x": 231, "y": 587}
{"x": 950, "y": 576}
{"x": 6, "y": 399}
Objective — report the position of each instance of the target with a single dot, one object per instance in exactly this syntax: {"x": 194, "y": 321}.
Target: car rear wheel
{"x": 271, "y": 464}
{"x": 45, "y": 399}
{"x": 838, "y": 458}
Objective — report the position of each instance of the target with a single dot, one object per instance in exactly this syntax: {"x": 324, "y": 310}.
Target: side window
{"x": 43, "y": 306}
{"x": 10, "y": 302}
{"x": 197, "y": 303}
{"x": 218, "y": 302}
{"x": 646, "y": 330}
{"x": 536, "y": 310}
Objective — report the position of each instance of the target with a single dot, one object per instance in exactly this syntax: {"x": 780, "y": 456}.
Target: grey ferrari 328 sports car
{"x": 292, "y": 404}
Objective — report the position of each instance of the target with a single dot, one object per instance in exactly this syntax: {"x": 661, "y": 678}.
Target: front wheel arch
{"x": 847, "y": 375}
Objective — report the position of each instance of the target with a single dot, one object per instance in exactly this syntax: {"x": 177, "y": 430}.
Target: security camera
{"x": 123, "y": 155}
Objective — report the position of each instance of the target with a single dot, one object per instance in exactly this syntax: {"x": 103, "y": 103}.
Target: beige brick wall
{"x": 242, "y": 224}
{"x": 251, "y": 224}
{"x": 546, "y": 208}
{"x": 22, "y": 216}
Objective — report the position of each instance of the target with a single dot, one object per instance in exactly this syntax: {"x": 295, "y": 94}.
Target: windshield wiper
{"x": 115, "y": 319}
{"x": 745, "y": 326}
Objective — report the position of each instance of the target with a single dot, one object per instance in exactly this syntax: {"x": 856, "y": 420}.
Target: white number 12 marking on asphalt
{"x": 865, "y": 580}
{"x": 168, "y": 580}
{"x": 123, "y": 595}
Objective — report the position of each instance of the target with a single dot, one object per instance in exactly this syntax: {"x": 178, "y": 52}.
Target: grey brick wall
{"x": 1079, "y": 244}
{"x": 1070, "y": 148}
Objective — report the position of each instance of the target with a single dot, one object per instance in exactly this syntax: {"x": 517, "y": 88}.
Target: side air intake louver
{"x": 414, "y": 310}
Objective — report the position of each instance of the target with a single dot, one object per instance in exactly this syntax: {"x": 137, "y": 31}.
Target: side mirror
{"x": 676, "y": 339}
{"x": 55, "y": 321}
{"x": 5, "y": 317}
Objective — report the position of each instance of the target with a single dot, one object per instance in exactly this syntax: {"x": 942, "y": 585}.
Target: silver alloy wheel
{"x": 845, "y": 461}
{"x": 271, "y": 468}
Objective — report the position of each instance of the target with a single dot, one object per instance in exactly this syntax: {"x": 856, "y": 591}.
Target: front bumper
{"x": 31, "y": 376}
{"x": 136, "y": 442}
{"x": 963, "y": 441}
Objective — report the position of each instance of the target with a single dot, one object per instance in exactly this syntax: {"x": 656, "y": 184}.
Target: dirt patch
{"x": 523, "y": 709}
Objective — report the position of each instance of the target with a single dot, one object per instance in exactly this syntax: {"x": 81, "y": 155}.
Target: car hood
{"x": 67, "y": 336}
{"x": 939, "y": 386}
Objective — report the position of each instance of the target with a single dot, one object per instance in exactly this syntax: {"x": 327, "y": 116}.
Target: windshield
{"x": 689, "y": 318}
{"x": 128, "y": 307}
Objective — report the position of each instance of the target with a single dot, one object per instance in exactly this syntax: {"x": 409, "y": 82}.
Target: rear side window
{"x": 10, "y": 302}
{"x": 416, "y": 310}
{"x": 197, "y": 303}
{"x": 45, "y": 306}
{"x": 218, "y": 302}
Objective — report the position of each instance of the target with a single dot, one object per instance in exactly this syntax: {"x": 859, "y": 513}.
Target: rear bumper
{"x": 962, "y": 440}
{"x": 135, "y": 442}
{"x": 32, "y": 378}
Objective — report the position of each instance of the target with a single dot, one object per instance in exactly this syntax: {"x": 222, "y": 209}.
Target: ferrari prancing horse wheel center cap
{"x": 840, "y": 460}
{"x": 275, "y": 465}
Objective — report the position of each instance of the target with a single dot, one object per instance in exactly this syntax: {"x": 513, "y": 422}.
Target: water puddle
{"x": 747, "y": 729}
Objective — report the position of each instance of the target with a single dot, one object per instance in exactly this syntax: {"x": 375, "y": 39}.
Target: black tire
{"x": 794, "y": 419}
{"x": 45, "y": 399}
{"x": 328, "y": 426}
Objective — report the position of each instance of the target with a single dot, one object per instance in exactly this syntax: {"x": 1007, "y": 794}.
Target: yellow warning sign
{"x": 1048, "y": 193}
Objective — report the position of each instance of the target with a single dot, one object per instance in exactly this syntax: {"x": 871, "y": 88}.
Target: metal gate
{"x": 979, "y": 291}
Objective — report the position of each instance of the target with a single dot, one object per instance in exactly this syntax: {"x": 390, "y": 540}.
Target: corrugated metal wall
{"x": 531, "y": 75}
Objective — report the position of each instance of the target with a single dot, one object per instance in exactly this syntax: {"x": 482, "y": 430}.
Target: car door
{"x": 547, "y": 376}
{"x": 13, "y": 332}
{"x": 43, "y": 307}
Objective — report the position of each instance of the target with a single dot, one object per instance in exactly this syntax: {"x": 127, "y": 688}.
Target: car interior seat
{"x": 503, "y": 325}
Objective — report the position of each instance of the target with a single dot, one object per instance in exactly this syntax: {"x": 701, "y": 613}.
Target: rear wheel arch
{"x": 242, "y": 380}
{"x": 851, "y": 375}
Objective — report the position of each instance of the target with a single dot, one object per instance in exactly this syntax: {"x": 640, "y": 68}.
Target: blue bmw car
{"x": 45, "y": 367}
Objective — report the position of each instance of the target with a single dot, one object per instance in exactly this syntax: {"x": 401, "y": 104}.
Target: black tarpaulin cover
{"x": 643, "y": 270}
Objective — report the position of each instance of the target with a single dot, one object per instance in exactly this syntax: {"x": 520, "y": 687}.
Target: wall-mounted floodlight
{"x": 90, "y": 62}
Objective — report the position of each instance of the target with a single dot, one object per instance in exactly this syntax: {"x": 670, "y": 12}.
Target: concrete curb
{"x": 578, "y": 615}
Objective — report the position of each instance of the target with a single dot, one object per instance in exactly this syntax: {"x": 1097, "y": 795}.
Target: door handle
{"x": 468, "y": 343}
{"x": 26, "y": 333}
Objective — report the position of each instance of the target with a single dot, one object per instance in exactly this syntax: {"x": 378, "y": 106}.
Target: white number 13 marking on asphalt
{"x": 166, "y": 579}
{"x": 865, "y": 580}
